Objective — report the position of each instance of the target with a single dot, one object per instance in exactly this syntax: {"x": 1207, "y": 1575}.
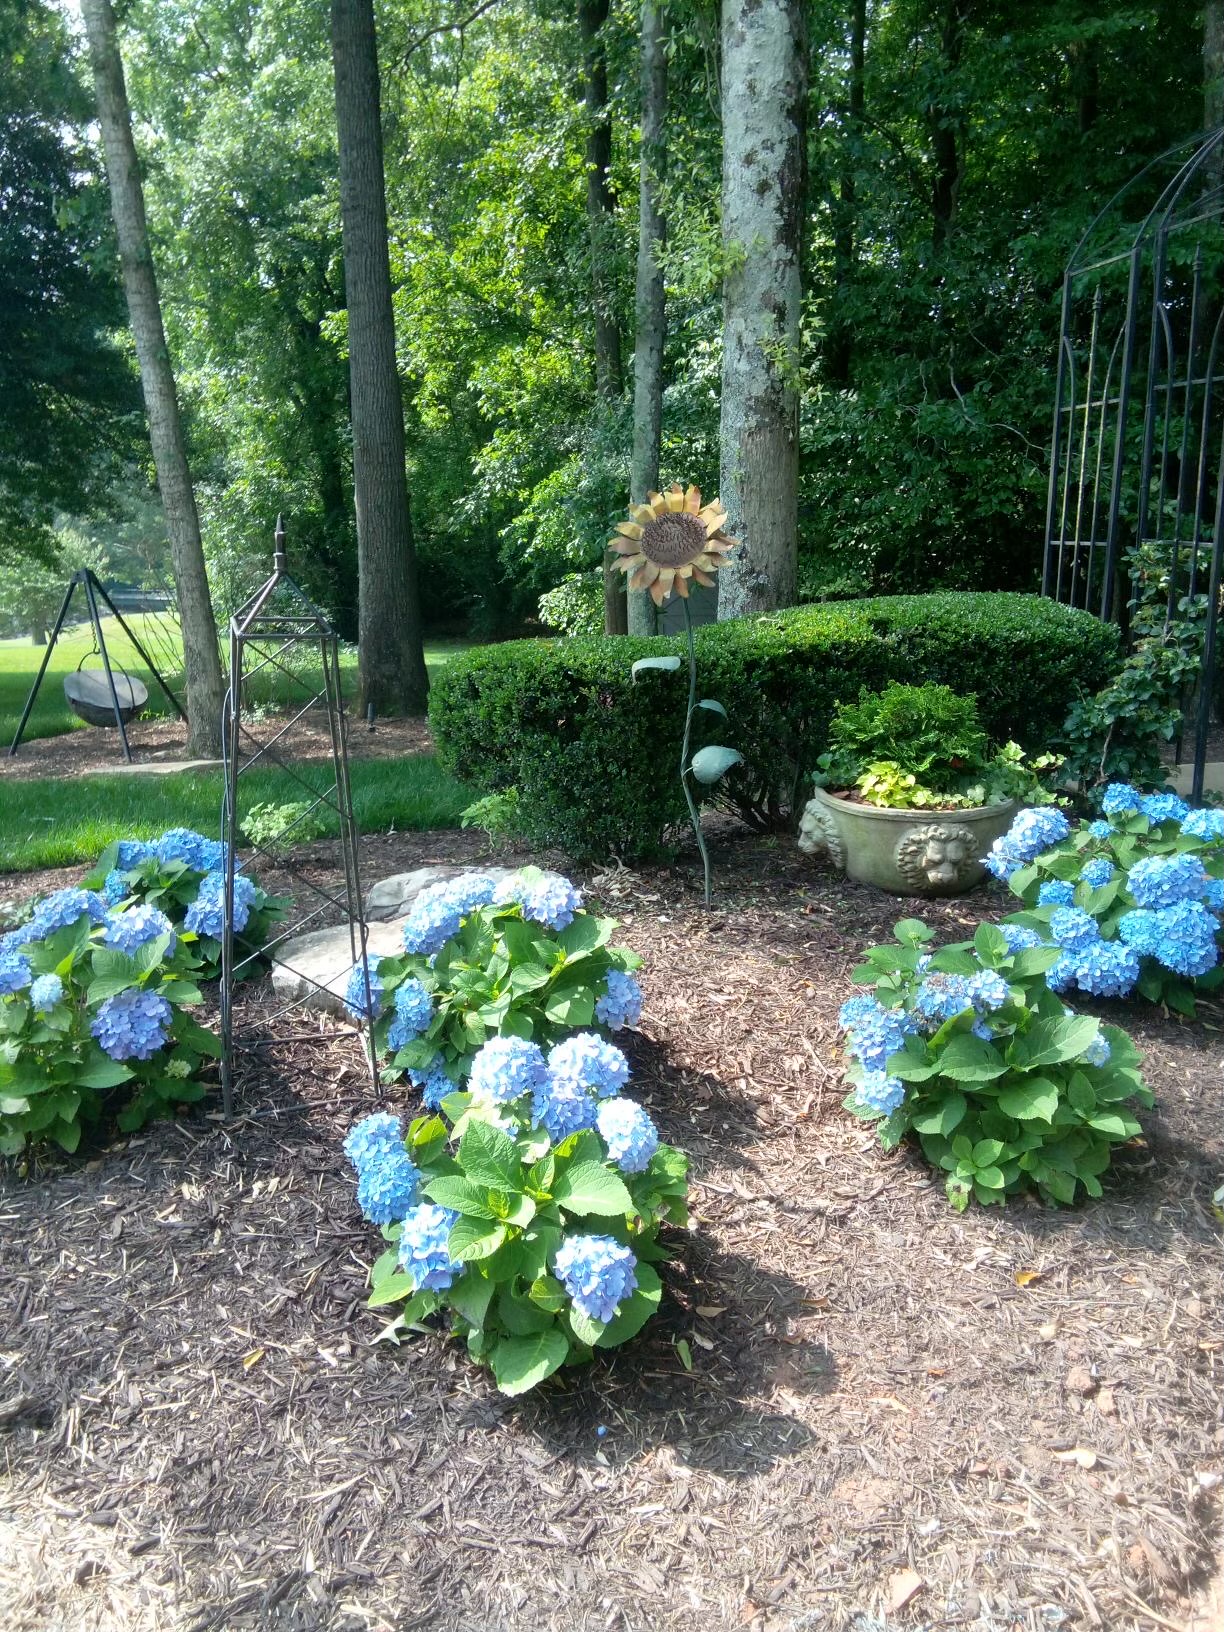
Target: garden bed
{"x": 896, "y": 1417}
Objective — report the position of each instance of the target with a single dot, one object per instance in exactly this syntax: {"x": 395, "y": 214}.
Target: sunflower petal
{"x": 628, "y": 529}
{"x": 675, "y": 499}
{"x": 681, "y": 585}
{"x": 642, "y": 513}
{"x": 624, "y": 546}
{"x": 703, "y": 578}
{"x": 657, "y": 593}
{"x": 692, "y": 500}
{"x": 644, "y": 576}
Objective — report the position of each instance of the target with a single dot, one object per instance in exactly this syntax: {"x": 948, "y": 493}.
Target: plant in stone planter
{"x": 911, "y": 793}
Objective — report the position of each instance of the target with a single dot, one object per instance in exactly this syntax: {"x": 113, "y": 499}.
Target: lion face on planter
{"x": 938, "y": 859}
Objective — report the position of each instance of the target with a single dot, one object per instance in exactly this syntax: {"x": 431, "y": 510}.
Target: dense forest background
{"x": 956, "y": 151}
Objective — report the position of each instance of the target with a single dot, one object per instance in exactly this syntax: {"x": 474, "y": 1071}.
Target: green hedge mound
{"x": 594, "y": 753}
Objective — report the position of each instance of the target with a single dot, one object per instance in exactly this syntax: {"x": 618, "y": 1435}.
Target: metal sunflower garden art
{"x": 671, "y": 539}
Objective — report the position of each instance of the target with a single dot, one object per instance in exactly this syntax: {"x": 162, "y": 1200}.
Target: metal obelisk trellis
{"x": 281, "y": 632}
{"x": 1137, "y": 456}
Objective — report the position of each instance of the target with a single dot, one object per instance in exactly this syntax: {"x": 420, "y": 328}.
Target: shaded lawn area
{"x": 53, "y": 823}
{"x": 19, "y": 661}
{"x": 1015, "y": 1406}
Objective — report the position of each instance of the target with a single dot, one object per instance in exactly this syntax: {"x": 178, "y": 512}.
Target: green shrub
{"x": 592, "y": 752}
{"x": 576, "y": 606}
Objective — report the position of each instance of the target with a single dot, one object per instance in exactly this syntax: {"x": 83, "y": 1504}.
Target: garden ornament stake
{"x": 667, "y": 542}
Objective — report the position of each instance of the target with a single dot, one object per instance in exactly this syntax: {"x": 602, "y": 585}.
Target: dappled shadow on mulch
{"x": 201, "y": 1434}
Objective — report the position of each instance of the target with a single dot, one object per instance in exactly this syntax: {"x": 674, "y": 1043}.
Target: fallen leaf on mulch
{"x": 1026, "y": 1277}
{"x": 903, "y": 1586}
{"x": 1080, "y": 1455}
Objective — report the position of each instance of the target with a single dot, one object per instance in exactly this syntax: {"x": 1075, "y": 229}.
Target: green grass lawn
{"x": 58, "y": 823}
{"x": 19, "y": 662}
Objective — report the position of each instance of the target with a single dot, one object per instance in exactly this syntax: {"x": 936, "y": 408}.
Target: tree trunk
{"x": 650, "y": 315}
{"x": 201, "y": 661}
{"x": 609, "y": 376}
{"x": 764, "y": 89}
{"x": 391, "y": 660}
{"x": 945, "y": 127}
{"x": 840, "y": 348}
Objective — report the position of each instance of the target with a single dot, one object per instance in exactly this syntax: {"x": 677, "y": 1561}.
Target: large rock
{"x": 393, "y": 897}
{"x": 315, "y": 968}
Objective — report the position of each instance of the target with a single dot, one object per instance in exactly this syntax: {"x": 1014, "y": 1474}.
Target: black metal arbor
{"x": 1136, "y": 492}
{"x": 280, "y": 633}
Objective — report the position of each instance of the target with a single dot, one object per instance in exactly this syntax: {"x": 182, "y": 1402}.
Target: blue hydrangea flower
{"x": 131, "y": 929}
{"x": 1062, "y": 974}
{"x": 1207, "y": 825}
{"x": 988, "y": 991}
{"x": 424, "y": 1255}
{"x": 1002, "y": 859}
{"x": 45, "y": 993}
{"x": 133, "y": 1024}
{"x": 628, "y": 1132}
{"x": 387, "y": 1186}
{"x": 438, "y": 912}
{"x": 549, "y": 899}
{"x": 880, "y": 1093}
{"x": 939, "y": 998}
{"x": 414, "y": 1006}
{"x": 1097, "y": 872}
{"x": 1036, "y": 829}
{"x": 435, "y": 1085}
{"x": 1019, "y": 938}
{"x": 1106, "y": 969}
{"x": 1162, "y": 881}
{"x": 16, "y": 939}
{"x": 362, "y": 999}
{"x": 15, "y": 973}
{"x": 621, "y": 1003}
{"x": 1181, "y": 938}
{"x": 131, "y": 853}
{"x": 597, "y": 1272}
{"x": 1213, "y": 894}
{"x": 1100, "y": 829}
{"x": 374, "y": 1136}
{"x": 979, "y": 1028}
{"x": 1072, "y": 928}
{"x": 115, "y": 889}
{"x": 506, "y": 1068}
{"x": 877, "y": 1036}
{"x": 191, "y": 848}
{"x": 856, "y": 1009}
{"x": 585, "y": 1060}
{"x": 1097, "y": 1052}
{"x": 1163, "y": 807}
{"x": 65, "y": 907}
{"x": 1187, "y": 939}
{"x": 1120, "y": 799}
{"x": 206, "y": 914}
{"x": 561, "y": 1110}
{"x": 1055, "y": 893}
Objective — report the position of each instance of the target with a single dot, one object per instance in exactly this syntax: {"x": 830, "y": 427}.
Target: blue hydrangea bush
{"x": 93, "y": 1014}
{"x": 183, "y": 875}
{"x": 527, "y": 1210}
{"x": 968, "y": 1050}
{"x": 1133, "y": 901}
{"x": 519, "y": 958}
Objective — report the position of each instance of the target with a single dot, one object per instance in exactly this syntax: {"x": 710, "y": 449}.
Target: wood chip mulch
{"x": 896, "y": 1418}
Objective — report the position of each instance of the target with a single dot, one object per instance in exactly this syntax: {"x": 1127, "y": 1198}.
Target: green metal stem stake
{"x": 694, "y": 814}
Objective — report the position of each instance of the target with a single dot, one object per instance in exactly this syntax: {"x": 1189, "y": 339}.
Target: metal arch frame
{"x": 269, "y": 631}
{"x": 1155, "y": 408}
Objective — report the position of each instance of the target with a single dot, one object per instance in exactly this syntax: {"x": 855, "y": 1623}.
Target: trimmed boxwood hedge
{"x": 593, "y": 753}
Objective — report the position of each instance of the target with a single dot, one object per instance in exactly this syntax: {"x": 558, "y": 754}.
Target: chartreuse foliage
{"x": 516, "y": 1198}
{"x": 1133, "y": 901}
{"x": 967, "y": 1049}
{"x": 94, "y": 1027}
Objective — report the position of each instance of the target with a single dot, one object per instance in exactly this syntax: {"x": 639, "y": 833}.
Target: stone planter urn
{"x": 907, "y": 852}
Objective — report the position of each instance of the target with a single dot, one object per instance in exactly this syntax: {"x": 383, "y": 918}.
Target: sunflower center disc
{"x": 673, "y": 540}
